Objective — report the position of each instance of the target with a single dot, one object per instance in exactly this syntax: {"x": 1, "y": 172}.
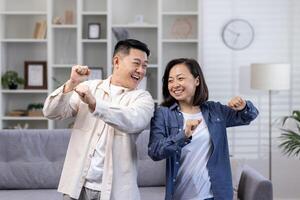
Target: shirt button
{"x": 246, "y": 112}
{"x": 176, "y": 151}
{"x": 177, "y": 163}
{"x": 174, "y": 180}
{"x": 180, "y": 129}
{"x": 179, "y": 113}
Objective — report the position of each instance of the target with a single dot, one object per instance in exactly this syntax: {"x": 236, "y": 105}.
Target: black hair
{"x": 124, "y": 46}
{"x": 201, "y": 93}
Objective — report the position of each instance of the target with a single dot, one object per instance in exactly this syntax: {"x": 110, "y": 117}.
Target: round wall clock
{"x": 238, "y": 34}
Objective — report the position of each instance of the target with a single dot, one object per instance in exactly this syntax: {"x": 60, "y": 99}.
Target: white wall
{"x": 277, "y": 39}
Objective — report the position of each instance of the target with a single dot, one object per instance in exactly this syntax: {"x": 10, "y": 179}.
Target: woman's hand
{"x": 190, "y": 126}
{"x": 237, "y": 103}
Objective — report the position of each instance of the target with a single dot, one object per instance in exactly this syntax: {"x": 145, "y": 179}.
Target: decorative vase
{"x": 13, "y": 86}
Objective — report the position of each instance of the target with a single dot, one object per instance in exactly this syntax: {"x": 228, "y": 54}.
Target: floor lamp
{"x": 270, "y": 77}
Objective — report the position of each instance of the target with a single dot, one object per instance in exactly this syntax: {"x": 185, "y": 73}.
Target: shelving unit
{"x": 17, "y": 22}
{"x": 171, "y": 28}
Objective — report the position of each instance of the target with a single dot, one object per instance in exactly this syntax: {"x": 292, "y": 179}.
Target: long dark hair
{"x": 201, "y": 93}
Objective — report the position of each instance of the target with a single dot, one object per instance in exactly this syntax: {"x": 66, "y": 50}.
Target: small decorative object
{"x": 35, "y": 75}
{"x": 35, "y": 109}
{"x": 11, "y": 80}
{"x": 94, "y": 30}
{"x": 96, "y": 73}
{"x": 57, "y": 20}
{"x": 181, "y": 28}
{"x": 139, "y": 19}
{"x": 40, "y": 30}
{"x": 290, "y": 137}
{"x": 120, "y": 33}
{"x": 69, "y": 17}
{"x": 17, "y": 113}
{"x": 19, "y": 126}
{"x": 238, "y": 34}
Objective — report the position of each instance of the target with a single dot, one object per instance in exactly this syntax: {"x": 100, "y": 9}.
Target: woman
{"x": 190, "y": 132}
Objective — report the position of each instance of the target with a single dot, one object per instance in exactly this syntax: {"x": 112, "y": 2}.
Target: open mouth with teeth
{"x": 177, "y": 92}
{"x": 135, "y": 77}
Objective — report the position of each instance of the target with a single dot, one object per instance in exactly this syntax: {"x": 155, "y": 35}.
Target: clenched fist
{"x": 78, "y": 74}
{"x": 86, "y": 96}
{"x": 190, "y": 126}
{"x": 237, "y": 103}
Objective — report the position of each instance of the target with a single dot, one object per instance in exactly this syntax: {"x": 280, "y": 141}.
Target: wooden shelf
{"x": 25, "y": 118}
{"x": 21, "y": 91}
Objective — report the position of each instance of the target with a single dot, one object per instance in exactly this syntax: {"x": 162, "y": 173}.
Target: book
{"x": 40, "y": 30}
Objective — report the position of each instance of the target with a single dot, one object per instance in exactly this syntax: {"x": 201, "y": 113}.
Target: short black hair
{"x": 124, "y": 46}
{"x": 201, "y": 93}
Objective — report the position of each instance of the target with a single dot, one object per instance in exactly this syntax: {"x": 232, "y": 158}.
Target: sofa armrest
{"x": 253, "y": 186}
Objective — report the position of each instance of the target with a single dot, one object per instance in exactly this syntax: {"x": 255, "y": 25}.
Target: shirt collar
{"x": 175, "y": 106}
{"x": 106, "y": 86}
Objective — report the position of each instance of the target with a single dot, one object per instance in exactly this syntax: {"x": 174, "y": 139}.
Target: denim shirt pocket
{"x": 173, "y": 129}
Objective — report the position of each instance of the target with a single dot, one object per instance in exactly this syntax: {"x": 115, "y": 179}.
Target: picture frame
{"x": 35, "y": 73}
{"x": 94, "y": 31}
{"x": 96, "y": 73}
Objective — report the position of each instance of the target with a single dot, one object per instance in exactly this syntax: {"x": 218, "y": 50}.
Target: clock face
{"x": 238, "y": 34}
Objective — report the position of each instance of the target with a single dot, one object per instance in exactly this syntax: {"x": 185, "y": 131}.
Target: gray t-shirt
{"x": 193, "y": 181}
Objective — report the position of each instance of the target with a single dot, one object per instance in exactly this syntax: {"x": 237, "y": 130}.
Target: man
{"x": 101, "y": 157}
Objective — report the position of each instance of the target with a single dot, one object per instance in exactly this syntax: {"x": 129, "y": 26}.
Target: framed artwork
{"x": 94, "y": 30}
{"x": 96, "y": 73}
{"x": 35, "y": 75}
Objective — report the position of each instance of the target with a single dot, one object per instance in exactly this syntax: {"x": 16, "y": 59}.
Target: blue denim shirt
{"x": 167, "y": 138}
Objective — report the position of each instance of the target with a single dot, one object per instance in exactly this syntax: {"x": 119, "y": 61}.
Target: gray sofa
{"x": 31, "y": 162}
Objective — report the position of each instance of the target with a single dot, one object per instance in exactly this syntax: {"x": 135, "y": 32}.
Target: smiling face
{"x": 182, "y": 84}
{"x": 129, "y": 69}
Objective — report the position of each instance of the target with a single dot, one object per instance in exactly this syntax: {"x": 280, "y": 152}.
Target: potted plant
{"x": 290, "y": 137}
{"x": 11, "y": 80}
{"x": 35, "y": 109}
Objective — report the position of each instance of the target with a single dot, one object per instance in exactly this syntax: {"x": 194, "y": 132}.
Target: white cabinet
{"x": 171, "y": 29}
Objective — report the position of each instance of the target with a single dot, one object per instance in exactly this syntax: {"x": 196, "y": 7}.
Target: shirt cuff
{"x": 181, "y": 139}
{"x": 101, "y": 108}
{"x": 246, "y": 109}
{"x": 60, "y": 92}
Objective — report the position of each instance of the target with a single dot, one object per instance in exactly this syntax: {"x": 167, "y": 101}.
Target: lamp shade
{"x": 270, "y": 76}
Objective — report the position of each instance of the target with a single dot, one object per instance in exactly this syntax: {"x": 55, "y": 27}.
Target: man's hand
{"x": 78, "y": 74}
{"x": 237, "y": 103}
{"x": 86, "y": 96}
{"x": 190, "y": 126}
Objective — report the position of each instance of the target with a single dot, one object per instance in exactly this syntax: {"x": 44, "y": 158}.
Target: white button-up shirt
{"x": 121, "y": 118}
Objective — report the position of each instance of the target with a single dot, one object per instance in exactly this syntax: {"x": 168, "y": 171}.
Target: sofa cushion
{"x": 237, "y": 166}
{"x": 45, "y": 194}
{"x": 150, "y": 173}
{"x": 32, "y": 159}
